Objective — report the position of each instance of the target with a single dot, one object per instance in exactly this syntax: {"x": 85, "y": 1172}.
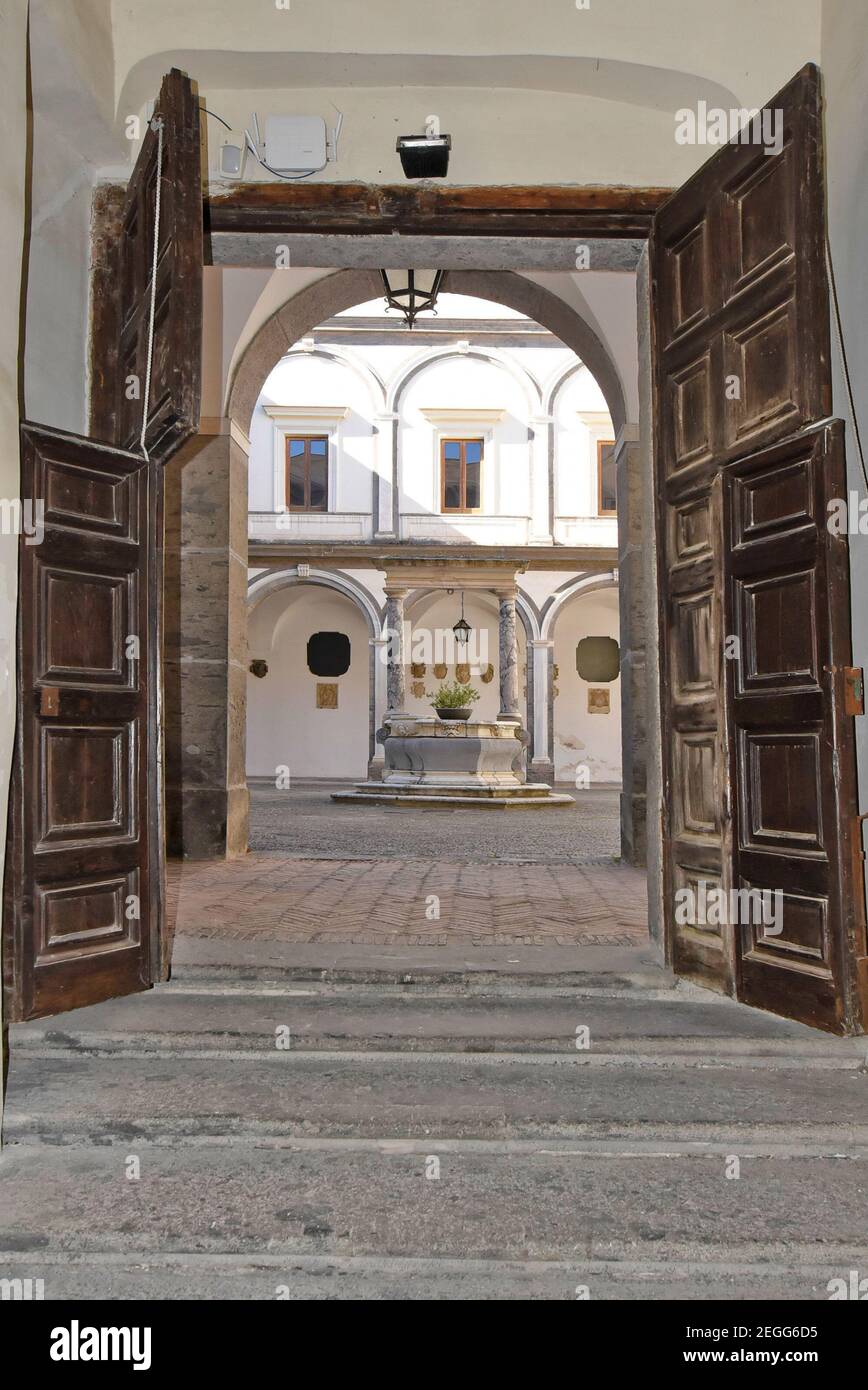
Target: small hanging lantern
{"x": 462, "y": 628}
{"x": 412, "y": 291}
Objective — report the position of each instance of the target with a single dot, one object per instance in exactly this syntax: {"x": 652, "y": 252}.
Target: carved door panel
{"x": 792, "y": 744}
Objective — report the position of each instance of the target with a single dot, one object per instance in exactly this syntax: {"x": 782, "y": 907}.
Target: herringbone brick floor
{"x": 396, "y": 901}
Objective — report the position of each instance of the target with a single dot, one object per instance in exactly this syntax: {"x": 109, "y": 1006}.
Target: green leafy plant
{"x": 451, "y": 695}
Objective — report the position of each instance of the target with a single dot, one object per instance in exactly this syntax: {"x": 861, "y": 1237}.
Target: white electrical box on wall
{"x": 233, "y": 151}
{"x": 295, "y": 144}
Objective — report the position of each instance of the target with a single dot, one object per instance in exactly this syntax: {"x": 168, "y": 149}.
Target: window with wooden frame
{"x": 607, "y": 496}
{"x": 307, "y": 472}
{"x": 461, "y": 475}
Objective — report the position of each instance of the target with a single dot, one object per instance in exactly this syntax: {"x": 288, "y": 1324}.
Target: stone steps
{"x": 395, "y": 1095}
{"x": 481, "y": 799}
{"x": 260, "y": 1221}
{"x": 642, "y": 1026}
{"x": 155, "y": 1275}
{"x": 480, "y": 789}
{"x": 305, "y": 1169}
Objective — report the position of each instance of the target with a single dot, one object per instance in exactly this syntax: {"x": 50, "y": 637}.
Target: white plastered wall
{"x": 582, "y": 739}
{"x": 284, "y": 726}
{"x": 74, "y": 135}
{"x": 13, "y": 120}
{"x": 541, "y": 93}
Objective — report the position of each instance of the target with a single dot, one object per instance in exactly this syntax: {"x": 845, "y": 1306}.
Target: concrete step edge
{"x": 33, "y": 1131}
{"x": 427, "y": 983}
{"x": 22, "y": 1139}
{"x": 128, "y": 1047}
{"x": 701, "y": 1256}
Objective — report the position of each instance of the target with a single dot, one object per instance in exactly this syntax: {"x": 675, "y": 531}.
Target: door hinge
{"x": 854, "y": 690}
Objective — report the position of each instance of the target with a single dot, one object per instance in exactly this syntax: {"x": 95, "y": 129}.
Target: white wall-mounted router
{"x": 295, "y": 144}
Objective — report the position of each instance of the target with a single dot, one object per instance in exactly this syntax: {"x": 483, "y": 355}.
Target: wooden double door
{"x": 758, "y": 741}
{"x": 759, "y": 764}
{"x": 83, "y": 913}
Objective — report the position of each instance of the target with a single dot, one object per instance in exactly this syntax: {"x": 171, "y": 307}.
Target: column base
{"x": 207, "y": 823}
{"x": 541, "y": 770}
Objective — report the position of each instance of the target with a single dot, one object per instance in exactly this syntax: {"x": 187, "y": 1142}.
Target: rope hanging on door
{"x": 156, "y": 124}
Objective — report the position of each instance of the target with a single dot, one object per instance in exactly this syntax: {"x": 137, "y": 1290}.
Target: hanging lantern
{"x": 462, "y": 628}
{"x": 412, "y": 292}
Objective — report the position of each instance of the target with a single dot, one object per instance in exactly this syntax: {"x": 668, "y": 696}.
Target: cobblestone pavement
{"x": 380, "y": 877}
{"x": 305, "y": 821}
{"x": 393, "y": 901}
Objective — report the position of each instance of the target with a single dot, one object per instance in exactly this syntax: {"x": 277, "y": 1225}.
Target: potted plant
{"x": 453, "y": 701}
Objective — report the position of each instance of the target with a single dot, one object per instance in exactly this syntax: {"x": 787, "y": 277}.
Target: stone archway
{"x": 206, "y": 790}
{"x": 333, "y": 293}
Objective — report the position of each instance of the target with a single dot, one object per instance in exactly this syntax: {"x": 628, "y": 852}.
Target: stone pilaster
{"x": 205, "y": 649}
{"x": 633, "y": 538}
{"x": 542, "y": 479}
{"x": 384, "y": 491}
{"x": 508, "y": 652}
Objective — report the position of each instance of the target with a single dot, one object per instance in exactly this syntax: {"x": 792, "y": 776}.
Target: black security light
{"x": 423, "y": 156}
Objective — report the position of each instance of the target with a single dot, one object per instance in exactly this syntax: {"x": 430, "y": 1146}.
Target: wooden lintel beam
{"x": 383, "y": 555}
{"x": 359, "y": 209}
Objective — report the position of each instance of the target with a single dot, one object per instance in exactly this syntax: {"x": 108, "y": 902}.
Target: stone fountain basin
{"x": 452, "y": 752}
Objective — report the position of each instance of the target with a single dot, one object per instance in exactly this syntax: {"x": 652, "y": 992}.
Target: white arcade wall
{"x": 582, "y": 739}
{"x": 284, "y": 726}
{"x": 286, "y": 729}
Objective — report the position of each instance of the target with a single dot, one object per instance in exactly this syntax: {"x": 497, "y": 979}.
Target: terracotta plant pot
{"x": 453, "y": 713}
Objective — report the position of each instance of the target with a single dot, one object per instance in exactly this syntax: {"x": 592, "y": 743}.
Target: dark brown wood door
{"x": 792, "y": 748}
{"x": 83, "y": 872}
{"x": 122, "y": 311}
{"x": 740, "y": 347}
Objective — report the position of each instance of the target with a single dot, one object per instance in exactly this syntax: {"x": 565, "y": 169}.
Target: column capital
{"x": 396, "y": 590}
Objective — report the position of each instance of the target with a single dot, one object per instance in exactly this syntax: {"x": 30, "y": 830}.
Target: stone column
{"x": 378, "y": 648}
{"x": 508, "y": 652}
{"x": 541, "y": 761}
{"x": 205, "y": 647}
{"x": 395, "y": 693}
